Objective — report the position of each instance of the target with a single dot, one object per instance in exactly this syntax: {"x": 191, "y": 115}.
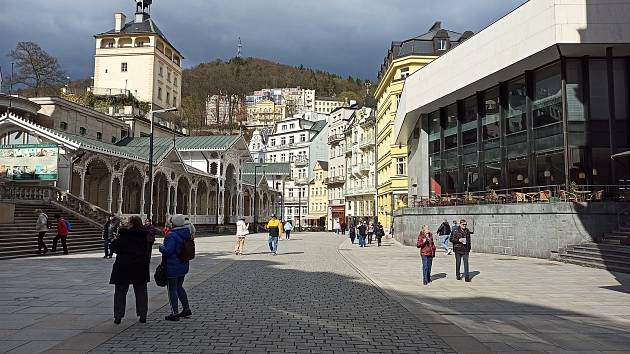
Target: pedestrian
{"x": 166, "y": 229}
{"x": 370, "y": 233}
{"x": 454, "y": 226}
{"x": 362, "y": 233}
{"x": 41, "y": 227}
{"x": 444, "y": 231}
{"x": 288, "y": 227}
{"x": 191, "y": 227}
{"x": 110, "y": 233}
{"x": 380, "y": 233}
{"x": 337, "y": 227}
{"x": 343, "y": 228}
{"x": 131, "y": 267}
{"x": 242, "y": 230}
{"x": 427, "y": 252}
{"x": 63, "y": 228}
{"x": 461, "y": 246}
{"x": 353, "y": 233}
{"x": 274, "y": 226}
{"x": 151, "y": 232}
{"x": 176, "y": 268}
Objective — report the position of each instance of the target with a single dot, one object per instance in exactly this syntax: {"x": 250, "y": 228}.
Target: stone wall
{"x": 529, "y": 230}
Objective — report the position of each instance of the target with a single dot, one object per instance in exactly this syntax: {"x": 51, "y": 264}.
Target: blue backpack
{"x": 68, "y": 225}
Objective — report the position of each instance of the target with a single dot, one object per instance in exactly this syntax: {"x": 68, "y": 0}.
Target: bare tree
{"x": 36, "y": 69}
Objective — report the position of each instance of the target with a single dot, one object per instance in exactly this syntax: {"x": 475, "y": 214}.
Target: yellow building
{"x": 318, "y": 197}
{"x": 266, "y": 113}
{"x": 135, "y": 57}
{"x": 403, "y": 59}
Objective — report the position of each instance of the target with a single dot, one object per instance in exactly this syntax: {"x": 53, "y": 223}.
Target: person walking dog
{"x": 41, "y": 227}
{"x": 427, "y": 252}
{"x": 461, "y": 246}
{"x": 131, "y": 267}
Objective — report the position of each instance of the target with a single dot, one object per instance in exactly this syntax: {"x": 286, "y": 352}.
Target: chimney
{"x": 119, "y": 21}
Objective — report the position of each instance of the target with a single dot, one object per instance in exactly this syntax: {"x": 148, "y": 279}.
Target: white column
{"x": 142, "y": 193}
{"x": 192, "y": 208}
{"x": 174, "y": 199}
{"x": 110, "y": 198}
{"x": 207, "y": 211}
{"x": 220, "y": 205}
{"x": 82, "y": 191}
{"x": 168, "y": 199}
{"x": 121, "y": 180}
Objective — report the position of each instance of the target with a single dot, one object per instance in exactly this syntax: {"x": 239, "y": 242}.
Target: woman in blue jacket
{"x": 176, "y": 269}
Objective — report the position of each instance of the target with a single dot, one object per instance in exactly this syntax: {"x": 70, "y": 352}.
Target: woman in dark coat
{"x": 131, "y": 267}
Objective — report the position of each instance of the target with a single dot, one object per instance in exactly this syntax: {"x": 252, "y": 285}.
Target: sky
{"x": 346, "y": 37}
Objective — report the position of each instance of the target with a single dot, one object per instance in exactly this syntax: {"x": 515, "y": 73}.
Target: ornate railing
{"x": 79, "y": 206}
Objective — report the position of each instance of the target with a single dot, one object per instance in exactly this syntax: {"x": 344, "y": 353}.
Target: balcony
{"x": 367, "y": 143}
{"x": 335, "y": 180}
{"x": 301, "y": 181}
{"x": 332, "y": 202}
{"x": 348, "y": 148}
{"x": 360, "y": 191}
{"x": 365, "y": 166}
{"x": 301, "y": 162}
{"x": 335, "y": 138}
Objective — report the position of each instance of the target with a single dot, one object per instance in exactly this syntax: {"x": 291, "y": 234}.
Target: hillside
{"x": 242, "y": 76}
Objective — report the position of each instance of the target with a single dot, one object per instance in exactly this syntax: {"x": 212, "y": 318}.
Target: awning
{"x": 313, "y": 217}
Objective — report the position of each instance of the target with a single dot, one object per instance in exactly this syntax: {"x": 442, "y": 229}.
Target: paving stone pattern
{"x": 306, "y": 299}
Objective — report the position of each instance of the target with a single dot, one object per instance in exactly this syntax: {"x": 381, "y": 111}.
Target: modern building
{"x": 318, "y": 198}
{"x": 338, "y": 122}
{"x": 136, "y": 57}
{"x": 326, "y": 105}
{"x": 548, "y": 107}
{"x": 299, "y": 142}
{"x": 403, "y": 59}
{"x": 360, "y": 155}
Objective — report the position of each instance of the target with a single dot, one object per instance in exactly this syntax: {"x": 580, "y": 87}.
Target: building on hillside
{"x": 258, "y": 144}
{"x": 221, "y": 109}
{"x": 360, "y": 154}
{"x": 136, "y": 57}
{"x": 318, "y": 198}
{"x": 298, "y": 142}
{"x": 403, "y": 59}
{"x": 325, "y": 105}
{"x": 92, "y": 177}
{"x": 265, "y": 113}
{"x": 547, "y": 109}
{"x": 338, "y": 122}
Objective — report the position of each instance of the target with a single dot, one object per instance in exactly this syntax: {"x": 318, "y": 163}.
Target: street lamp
{"x": 151, "y": 115}
{"x": 255, "y": 195}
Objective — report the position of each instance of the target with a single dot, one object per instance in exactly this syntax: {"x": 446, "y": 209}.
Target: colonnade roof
{"x": 186, "y": 143}
{"x": 271, "y": 168}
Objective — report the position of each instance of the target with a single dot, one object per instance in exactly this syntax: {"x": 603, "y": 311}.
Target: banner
{"x": 29, "y": 162}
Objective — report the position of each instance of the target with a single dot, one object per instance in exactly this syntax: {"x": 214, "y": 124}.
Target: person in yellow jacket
{"x": 275, "y": 230}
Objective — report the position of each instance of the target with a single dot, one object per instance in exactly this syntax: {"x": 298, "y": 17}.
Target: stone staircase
{"x": 609, "y": 252}
{"x": 19, "y": 239}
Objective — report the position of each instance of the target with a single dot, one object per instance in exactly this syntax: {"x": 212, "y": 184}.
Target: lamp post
{"x": 256, "y": 195}
{"x": 151, "y": 115}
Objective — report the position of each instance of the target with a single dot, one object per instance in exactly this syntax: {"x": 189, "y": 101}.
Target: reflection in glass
{"x": 515, "y": 116}
{"x": 547, "y": 105}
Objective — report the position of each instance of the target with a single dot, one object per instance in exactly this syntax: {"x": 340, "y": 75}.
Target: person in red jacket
{"x": 62, "y": 234}
{"x": 427, "y": 251}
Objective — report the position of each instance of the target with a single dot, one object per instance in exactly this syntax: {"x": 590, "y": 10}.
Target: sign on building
{"x": 29, "y": 162}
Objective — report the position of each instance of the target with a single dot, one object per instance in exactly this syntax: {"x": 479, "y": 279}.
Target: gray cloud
{"x": 348, "y": 37}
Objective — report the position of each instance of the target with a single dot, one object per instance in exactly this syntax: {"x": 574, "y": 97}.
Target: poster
{"x": 29, "y": 162}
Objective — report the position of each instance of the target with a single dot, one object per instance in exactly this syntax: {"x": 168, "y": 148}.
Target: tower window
{"x": 82, "y": 130}
{"x": 63, "y": 126}
{"x": 140, "y": 44}
{"x": 123, "y": 67}
{"x": 160, "y": 93}
{"x": 442, "y": 44}
{"x": 99, "y": 136}
{"x": 110, "y": 44}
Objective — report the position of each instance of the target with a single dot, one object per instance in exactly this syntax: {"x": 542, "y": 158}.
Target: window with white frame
{"x": 291, "y": 139}
{"x": 123, "y": 67}
{"x": 401, "y": 166}
{"x": 283, "y": 141}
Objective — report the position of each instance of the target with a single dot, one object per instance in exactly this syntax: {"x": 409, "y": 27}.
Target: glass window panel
{"x": 575, "y": 88}
{"x": 471, "y": 179}
{"x": 518, "y": 172}
{"x": 598, "y": 89}
{"x": 516, "y": 112}
{"x": 434, "y": 132}
{"x": 493, "y": 175}
{"x": 469, "y": 121}
{"x": 491, "y": 115}
{"x": 547, "y": 105}
{"x": 450, "y": 130}
{"x": 621, "y": 97}
{"x": 550, "y": 169}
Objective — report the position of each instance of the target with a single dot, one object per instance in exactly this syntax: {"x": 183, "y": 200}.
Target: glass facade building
{"x": 551, "y": 126}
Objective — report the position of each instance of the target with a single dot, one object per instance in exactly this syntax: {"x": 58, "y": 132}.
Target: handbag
{"x": 160, "y": 274}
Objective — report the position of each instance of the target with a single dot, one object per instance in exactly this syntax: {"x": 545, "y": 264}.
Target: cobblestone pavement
{"x": 305, "y": 299}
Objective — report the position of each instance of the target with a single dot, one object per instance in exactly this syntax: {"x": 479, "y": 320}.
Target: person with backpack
{"x": 151, "y": 232}
{"x": 274, "y": 226}
{"x": 41, "y": 227}
{"x": 110, "y": 233}
{"x": 63, "y": 228}
{"x": 131, "y": 267}
{"x": 460, "y": 238}
{"x": 353, "y": 233}
{"x": 288, "y": 227}
{"x": 176, "y": 267}
{"x": 444, "y": 231}
{"x": 380, "y": 233}
{"x": 427, "y": 252}
{"x": 242, "y": 230}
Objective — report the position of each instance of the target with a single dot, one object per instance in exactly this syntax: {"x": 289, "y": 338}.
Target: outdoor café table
{"x": 503, "y": 197}
{"x": 531, "y": 196}
{"x": 582, "y": 195}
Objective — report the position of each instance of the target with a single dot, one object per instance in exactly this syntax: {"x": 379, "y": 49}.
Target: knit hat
{"x": 178, "y": 220}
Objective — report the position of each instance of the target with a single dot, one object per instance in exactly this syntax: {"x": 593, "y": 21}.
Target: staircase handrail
{"x": 81, "y": 206}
